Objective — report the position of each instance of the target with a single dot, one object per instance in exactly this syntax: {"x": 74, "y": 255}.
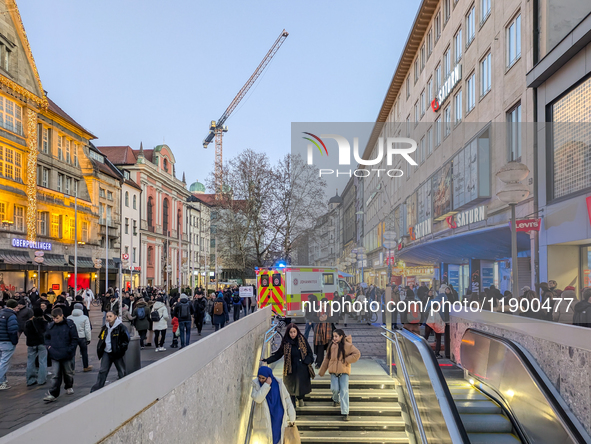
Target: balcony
{"x": 112, "y": 222}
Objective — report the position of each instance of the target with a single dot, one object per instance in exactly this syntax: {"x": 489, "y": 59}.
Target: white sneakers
{"x": 70, "y": 391}
{"x": 161, "y": 349}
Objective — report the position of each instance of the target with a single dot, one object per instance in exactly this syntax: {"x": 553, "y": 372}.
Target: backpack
{"x": 155, "y": 316}
{"x": 413, "y": 315}
{"x": 236, "y": 299}
{"x": 218, "y": 308}
{"x": 184, "y": 311}
{"x": 141, "y": 313}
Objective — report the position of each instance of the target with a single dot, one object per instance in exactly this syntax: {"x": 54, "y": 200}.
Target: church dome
{"x": 197, "y": 187}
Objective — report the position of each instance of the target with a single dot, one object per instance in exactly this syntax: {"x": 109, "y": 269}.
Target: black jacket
{"x": 23, "y": 315}
{"x": 297, "y": 382}
{"x": 35, "y": 331}
{"x": 582, "y": 316}
{"x": 61, "y": 340}
{"x": 66, "y": 309}
{"x": 199, "y": 306}
{"x": 178, "y": 309}
{"x": 119, "y": 341}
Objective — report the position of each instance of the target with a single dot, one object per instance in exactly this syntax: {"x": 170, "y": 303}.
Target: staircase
{"x": 374, "y": 413}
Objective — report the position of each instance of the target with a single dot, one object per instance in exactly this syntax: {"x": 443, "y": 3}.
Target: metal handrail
{"x": 266, "y": 338}
{"x": 450, "y": 413}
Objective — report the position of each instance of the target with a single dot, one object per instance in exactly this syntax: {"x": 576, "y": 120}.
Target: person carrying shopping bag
{"x": 339, "y": 357}
{"x": 273, "y": 410}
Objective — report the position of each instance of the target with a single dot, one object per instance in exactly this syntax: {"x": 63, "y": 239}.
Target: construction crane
{"x": 217, "y": 129}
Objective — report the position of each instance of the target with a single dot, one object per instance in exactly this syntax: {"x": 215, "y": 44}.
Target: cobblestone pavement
{"x": 21, "y": 405}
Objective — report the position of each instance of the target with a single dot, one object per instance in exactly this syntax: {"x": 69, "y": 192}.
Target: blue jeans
{"x": 6, "y": 351}
{"x": 185, "y": 338}
{"x": 33, "y": 374}
{"x": 339, "y": 386}
{"x": 309, "y": 326}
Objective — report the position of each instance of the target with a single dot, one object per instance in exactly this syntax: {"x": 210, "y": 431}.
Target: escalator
{"x": 499, "y": 396}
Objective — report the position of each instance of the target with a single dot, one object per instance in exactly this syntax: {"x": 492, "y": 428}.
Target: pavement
{"x": 21, "y": 405}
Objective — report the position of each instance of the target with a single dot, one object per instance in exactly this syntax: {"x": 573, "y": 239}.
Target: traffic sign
{"x": 125, "y": 256}
{"x": 38, "y": 259}
{"x": 39, "y": 253}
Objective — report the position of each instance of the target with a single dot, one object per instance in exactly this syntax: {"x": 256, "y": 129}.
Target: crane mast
{"x": 216, "y": 129}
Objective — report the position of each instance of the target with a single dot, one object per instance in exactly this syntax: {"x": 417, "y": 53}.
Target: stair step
{"x": 485, "y": 407}
{"x": 383, "y": 394}
{"x": 493, "y": 438}
{"x": 353, "y": 437}
{"x": 336, "y": 422}
{"x": 355, "y": 408}
{"x": 468, "y": 395}
{"x": 360, "y": 383}
{"x": 478, "y": 423}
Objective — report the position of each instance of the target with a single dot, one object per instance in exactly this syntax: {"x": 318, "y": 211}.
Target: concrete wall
{"x": 562, "y": 351}
{"x": 198, "y": 395}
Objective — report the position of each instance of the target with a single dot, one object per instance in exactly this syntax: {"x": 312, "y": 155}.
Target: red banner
{"x": 528, "y": 225}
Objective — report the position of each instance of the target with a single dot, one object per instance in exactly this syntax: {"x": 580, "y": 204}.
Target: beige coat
{"x": 337, "y": 366}
{"x": 262, "y": 433}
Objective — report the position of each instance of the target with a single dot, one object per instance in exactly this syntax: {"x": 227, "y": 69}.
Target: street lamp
{"x": 512, "y": 193}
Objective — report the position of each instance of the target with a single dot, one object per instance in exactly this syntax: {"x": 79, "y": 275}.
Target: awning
{"x": 15, "y": 257}
{"x": 342, "y": 274}
{"x": 490, "y": 243}
{"x": 55, "y": 260}
{"x": 83, "y": 262}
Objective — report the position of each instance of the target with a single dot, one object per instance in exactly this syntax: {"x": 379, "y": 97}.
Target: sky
{"x": 148, "y": 71}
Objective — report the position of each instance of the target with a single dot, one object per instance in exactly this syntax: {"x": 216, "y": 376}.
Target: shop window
{"x": 570, "y": 150}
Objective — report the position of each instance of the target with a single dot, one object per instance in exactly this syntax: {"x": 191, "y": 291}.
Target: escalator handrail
{"x": 449, "y": 410}
{"x": 557, "y": 403}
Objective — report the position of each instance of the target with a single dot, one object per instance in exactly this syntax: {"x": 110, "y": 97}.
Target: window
{"x": 438, "y": 132}
{"x": 484, "y": 10}
{"x": 4, "y": 57}
{"x": 470, "y": 93}
{"x": 458, "y": 45}
{"x": 459, "y": 108}
{"x": 10, "y": 164}
{"x": 134, "y": 227}
{"x": 437, "y": 25}
{"x": 109, "y": 211}
{"x": 127, "y": 199}
{"x": 127, "y": 225}
{"x": 109, "y": 195}
{"x": 514, "y": 132}
{"x": 150, "y": 253}
{"x": 446, "y": 62}
{"x": 429, "y": 141}
{"x": 416, "y": 113}
{"x": 165, "y": 217}
{"x": 416, "y": 70}
{"x": 60, "y": 149}
{"x": 437, "y": 79}
{"x": 55, "y": 226}
{"x": 42, "y": 223}
{"x": 447, "y": 121}
{"x": 165, "y": 164}
{"x": 101, "y": 192}
{"x": 423, "y": 57}
{"x": 150, "y": 214}
{"x": 96, "y": 156}
{"x": 2, "y": 211}
{"x": 446, "y": 10}
{"x": 84, "y": 231}
{"x": 514, "y": 41}
{"x": 45, "y": 140}
{"x": 134, "y": 202}
{"x": 73, "y": 229}
{"x": 430, "y": 95}
{"x": 133, "y": 257}
{"x": 327, "y": 278}
{"x": 75, "y": 152}
{"x": 68, "y": 185}
{"x": 408, "y": 125}
{"x": 470, "y": 25}
{"x": 60, "y": 182}
{"x": 407, "y": 87}
{"x": 68, "y": 152}
{"x": 429, "y": 42}
{"x": 45, "y": 177}
{"x": 11, "y": 116}
{"x": 485, "y": 75}
{"x": 423, "y": 101}
{"x": 76, "y": 187}
{"x": 19, "y": 218}
{"x": 127, "y": 249}
{"x": 422, "y": 155}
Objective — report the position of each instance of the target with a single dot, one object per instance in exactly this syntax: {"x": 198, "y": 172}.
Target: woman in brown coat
{"x": 341, "y": 354}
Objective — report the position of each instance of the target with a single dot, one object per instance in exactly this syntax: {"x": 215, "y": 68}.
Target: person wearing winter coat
{"x": 35, "y": 332}
{"x": 236, "y": 304}
{"x": 61, "y": 338}
{"x": 84, "y": 334}
{"x": 159, "y": 317}
{"x": 127, "y": 320}
{"x": 273, "y": 410}
{"x": 8, "y": 339}
{"x": 199, "y": 307}
{"x": 222, "y": 316}
{"x": 184, "y": 311}
{"x": 561, "y": 304}
{"x": 111, "y": 348}
{"x": 23, "y": 314}
{"x": 582, "y": 311}
{"x": 297, "y": 355}
{"x": 141, "y": 315}
{"x": 341, "y": 354}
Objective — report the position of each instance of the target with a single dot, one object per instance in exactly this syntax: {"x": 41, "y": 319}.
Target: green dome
{"x": 197, "y": 187}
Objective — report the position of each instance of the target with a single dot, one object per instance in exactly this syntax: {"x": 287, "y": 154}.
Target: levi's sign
{"x": 527, "y": 225}
{"x": 449, "y": 84}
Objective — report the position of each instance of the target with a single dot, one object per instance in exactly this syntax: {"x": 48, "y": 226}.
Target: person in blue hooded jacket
{"x": 273, "y": 410}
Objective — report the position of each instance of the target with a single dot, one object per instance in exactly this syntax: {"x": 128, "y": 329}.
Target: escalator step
{"x": 355, "y": 408}
{"x": 478, "y": 423}
{"x": 493, "y": 438}
{"x": 334, "y": 422}
{"x": 353, "y": 436}
{"x": 484, "y": 407}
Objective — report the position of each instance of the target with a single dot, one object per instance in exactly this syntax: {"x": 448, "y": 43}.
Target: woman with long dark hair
{"x": 322, "y": 332}
{"x": 297, "y": 356}
{"x": 341, "y": 354}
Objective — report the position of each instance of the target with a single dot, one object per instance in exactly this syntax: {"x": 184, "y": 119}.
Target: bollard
{"x": 133, "y": 360}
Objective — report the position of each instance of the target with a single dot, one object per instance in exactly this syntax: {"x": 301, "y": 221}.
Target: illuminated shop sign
{"x": 23, "y": 243}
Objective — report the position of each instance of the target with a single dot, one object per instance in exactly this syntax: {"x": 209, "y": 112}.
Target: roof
{"x": 148, "y": 154}
{"x": 60, "y": 112}
{"x": 336, "y": 199}
{"x": 104, "y": 168}
{"x": 119, "y": 155}
{"x": 132, "y": 183}
{"x": 197, "y": 187}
